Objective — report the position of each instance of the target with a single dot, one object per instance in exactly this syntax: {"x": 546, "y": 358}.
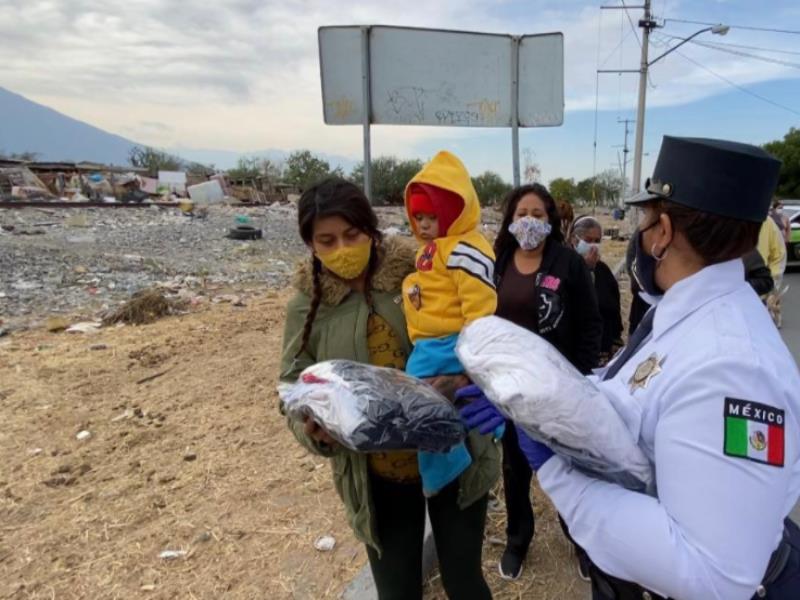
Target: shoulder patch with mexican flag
{"x": 754, "y": 431}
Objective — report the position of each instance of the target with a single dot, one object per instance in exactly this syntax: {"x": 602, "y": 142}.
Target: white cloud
{"x": 244, "y": 75}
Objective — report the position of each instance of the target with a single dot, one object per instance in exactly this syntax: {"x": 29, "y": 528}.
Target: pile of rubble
{"x": 89, "y": 182}
{"x": 86, "y": 261}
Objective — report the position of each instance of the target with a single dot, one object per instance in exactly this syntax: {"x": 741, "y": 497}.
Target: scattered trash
{"x": 35, "y": 451}
{"x": 245, "y": 232}
{"x": 205, "y": 536}
{"x": 77, "y": 220}
{"x": 207, "y": 192}
{"x": 148, "y": 587}
{"x": 83, "y": 435}
{"x": 84, "y": 327}
{"x": 326, "y": 543}
{"x": 190, "y": 456}
{"x": 172, "y": 554}
{"x": 125, "y": 415}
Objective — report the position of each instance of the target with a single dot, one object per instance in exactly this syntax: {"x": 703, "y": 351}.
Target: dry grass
{"x": 146, "y": 306}
{"x": 187, "y": 452}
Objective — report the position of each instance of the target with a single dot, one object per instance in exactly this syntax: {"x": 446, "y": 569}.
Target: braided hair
{"x": 329, "y": 198}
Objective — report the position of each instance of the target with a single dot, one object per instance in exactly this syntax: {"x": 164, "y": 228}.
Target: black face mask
{"x": 643, "y": 266}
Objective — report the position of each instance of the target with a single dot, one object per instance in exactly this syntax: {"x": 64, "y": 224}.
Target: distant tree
{"x": 491, "y": 188}
{"x": 390, "y": 176}
{"x": 303, "y": 169}
{"x": 609, "y": 186}
{"x": 788, "y": 151}
{"x": 145, "y": 157}
{"x": 585, "y": 191}
{"x": 564, "y": 189}
{"x": 246, "y": 168}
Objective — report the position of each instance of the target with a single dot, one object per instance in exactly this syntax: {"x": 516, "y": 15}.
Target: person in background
{"x": 772, "y": 248}
{"x": 585, "y": 237}
{"x": 544, "y": 286}
{"x": 347, "y": 307}
{"x": 783, "y": 223}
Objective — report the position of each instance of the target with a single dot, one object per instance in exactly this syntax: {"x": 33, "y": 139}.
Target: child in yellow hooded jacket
{"x": 453, "y": 284}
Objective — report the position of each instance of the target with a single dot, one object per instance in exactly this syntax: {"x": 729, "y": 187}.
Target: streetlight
{"x": 716, "y": 29}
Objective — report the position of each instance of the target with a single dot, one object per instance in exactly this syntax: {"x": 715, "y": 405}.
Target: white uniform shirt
{"x": 716, "y": 517}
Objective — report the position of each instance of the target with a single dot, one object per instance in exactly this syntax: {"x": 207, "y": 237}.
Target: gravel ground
{"x": 82, "y": 261}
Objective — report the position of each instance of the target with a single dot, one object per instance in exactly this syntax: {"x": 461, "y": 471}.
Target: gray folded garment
{"x": 532, "y": 384}
{"x": 373, "y": 409}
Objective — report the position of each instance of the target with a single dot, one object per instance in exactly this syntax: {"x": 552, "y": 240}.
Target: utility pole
{"x": 625, "y": 151}
{"x": 647, "y": 24}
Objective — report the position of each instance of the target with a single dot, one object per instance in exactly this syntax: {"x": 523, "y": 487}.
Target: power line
{"x": 614, "y": 51}
{"x": 737, "y": 86}
{"x": 775, "y": 61}
{"x": 758, "y": 48}
{"x": 789, "y": 31}
{"x": 633, "y": 27}
{"x": 716, "y": 46}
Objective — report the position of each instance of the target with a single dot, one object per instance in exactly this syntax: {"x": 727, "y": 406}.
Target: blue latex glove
{"x": 535, "y": 452}
{"x": 479, "y": 413}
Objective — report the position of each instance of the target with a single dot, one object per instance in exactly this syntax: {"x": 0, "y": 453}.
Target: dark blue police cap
{"x": 714, "y": 176}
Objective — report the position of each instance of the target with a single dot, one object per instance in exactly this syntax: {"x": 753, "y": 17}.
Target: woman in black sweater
{"x": 544, "y": 286}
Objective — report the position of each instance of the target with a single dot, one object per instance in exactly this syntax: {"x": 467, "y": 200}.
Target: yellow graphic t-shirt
{"x": 385, "y": 351}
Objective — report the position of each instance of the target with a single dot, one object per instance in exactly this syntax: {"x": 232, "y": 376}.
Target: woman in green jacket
{"x": 348, "y": 306}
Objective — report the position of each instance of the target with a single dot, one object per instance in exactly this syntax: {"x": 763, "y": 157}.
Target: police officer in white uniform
{"x": 711, "y": 393}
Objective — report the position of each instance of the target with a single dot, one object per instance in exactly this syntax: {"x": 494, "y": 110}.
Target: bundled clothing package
{"x": 532, "y": 384}
{"x": 373, "y": 409}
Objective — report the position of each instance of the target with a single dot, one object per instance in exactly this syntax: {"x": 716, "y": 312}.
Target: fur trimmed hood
{"x": 396, "y": 260}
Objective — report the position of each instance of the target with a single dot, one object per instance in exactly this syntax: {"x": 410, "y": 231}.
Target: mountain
{"x": 26, "y": 126}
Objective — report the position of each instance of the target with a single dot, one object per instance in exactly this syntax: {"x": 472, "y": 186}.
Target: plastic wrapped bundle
{"x": 373, "y": 409}
{"x": 532, "y": 384}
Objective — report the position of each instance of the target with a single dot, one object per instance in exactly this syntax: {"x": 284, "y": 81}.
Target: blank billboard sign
{"x": 423, "y": 77}
{"x": 340, "y": 65}
{"x": 541, "y": 80}
{"x": 439, "y": 77}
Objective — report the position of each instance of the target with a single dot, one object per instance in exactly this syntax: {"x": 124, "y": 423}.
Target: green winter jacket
{"x": 340, "y": 331}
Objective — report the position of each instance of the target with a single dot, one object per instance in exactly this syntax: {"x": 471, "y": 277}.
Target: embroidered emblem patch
{"x": 645, "y": 372}
{"x": 754, "y": 431}
{"x": 425, "y": 261}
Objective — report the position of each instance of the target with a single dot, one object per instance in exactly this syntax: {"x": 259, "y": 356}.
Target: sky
{"x": 243, "y": 75}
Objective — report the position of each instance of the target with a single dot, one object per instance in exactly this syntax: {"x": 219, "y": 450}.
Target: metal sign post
{"x": 515, "y": 108}
{"x": 365, "y": 92}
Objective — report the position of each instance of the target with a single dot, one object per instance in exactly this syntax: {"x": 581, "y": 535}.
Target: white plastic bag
{"x": 373, "y": 409}
{"x": 532, "y": 384}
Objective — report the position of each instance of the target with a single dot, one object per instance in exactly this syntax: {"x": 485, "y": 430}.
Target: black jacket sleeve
{"x": 587, "y": 329}
{"x": 757, "y": 274}
{"x": 608, "y": 298}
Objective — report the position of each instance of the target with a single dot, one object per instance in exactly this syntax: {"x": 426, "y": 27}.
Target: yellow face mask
{"x": 348, "y": 262}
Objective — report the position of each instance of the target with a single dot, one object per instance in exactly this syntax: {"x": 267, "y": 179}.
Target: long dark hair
{"x": 328, "y": 198}
{"x": 506, "y": 242}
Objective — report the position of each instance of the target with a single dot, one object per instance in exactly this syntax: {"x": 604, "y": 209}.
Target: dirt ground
{"x": 187, "y": 452}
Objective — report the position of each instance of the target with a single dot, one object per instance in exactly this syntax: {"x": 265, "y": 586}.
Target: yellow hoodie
{"x": 772, "y": 248}
{"x": 454, "y": 280}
